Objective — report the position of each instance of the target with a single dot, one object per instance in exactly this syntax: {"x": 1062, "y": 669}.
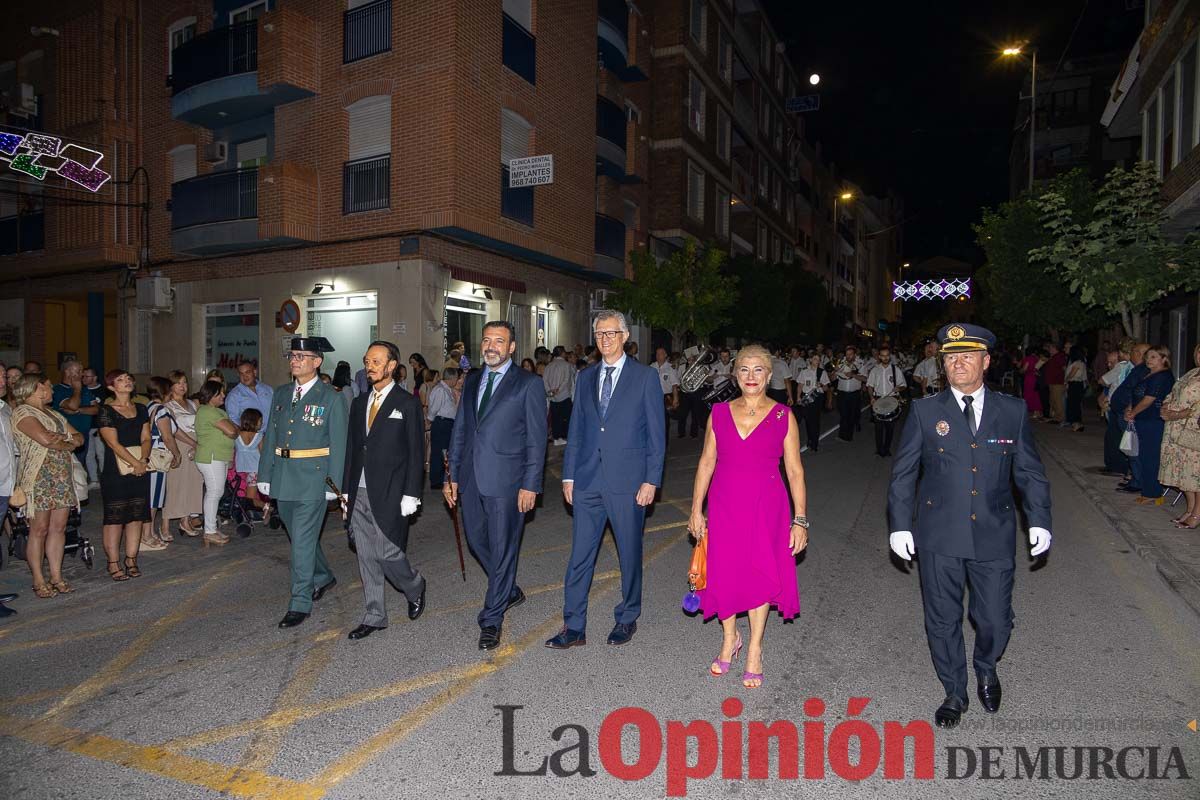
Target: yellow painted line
{"x": 667, "y": 526}
{"x": 362, "y": 755}
{"x": 156, "y": 760}
{"x": 265, "y": 746}
{"x": 68, "y": 638}
{"x": 287, "y": 717}
{"x": 121, "y": 662}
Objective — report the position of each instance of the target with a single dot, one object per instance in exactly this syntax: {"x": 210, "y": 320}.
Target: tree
{"x": 767, "y": 292}
{"x": 1020, "y": 297}
{"x": 685, "y": 293}
{"x": 1117, "y": 258}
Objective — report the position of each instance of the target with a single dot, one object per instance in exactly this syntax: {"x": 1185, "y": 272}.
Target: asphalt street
{"x": 178, "y": 684}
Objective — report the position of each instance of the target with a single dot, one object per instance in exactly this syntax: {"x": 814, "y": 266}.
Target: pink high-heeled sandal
{"x": 720, "y": 667}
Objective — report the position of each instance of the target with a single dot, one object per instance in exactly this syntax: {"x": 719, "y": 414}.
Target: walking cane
{"x": 462, "y": 565}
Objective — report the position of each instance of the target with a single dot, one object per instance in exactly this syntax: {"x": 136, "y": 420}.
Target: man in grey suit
{"x": 497, "y": 452}
{"x": 383, "y": 479}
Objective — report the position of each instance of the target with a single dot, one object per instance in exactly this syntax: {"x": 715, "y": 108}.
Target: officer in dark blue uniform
{"x": 960, "y": 453}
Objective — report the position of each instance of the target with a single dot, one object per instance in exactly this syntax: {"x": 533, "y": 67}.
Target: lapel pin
{"x": 942, "y": 427}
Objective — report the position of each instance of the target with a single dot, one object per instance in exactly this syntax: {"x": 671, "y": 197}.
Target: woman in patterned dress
{"x": 45, "y": 441}
{"x": 162, "y": 437}
{"x": 1181, "y": 465}
{"x": 185, "y": 484}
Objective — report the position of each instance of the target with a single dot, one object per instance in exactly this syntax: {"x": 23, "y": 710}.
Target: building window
{"x": 698, "y": 23}
{"x": 761, "y": 252}
{"x": 695, "y": 192}
{"x": 765, "y": 46}
{"x": 696, "y": 102}
{"x": 779, "y": 74}
{"x": 251, "y": 153}
{"x": 248, "y": 12}
{"x": 788, "y": 209}
{"x": 183, "y": 163}
{"x": 776, "y": 191}
{"x": 515, "y": 203}
{"x": 231, "y": 336}
{"x": 349, "y": 321}
{"x": 789, "y": 253}
{"x": 1187, "y": 102}
{"x": 724, "y": 133}
{"x": 518, "y": 45}
{"x": 725, "y": 55}
{"x": 765, "y": 119}
{"x": 764, "y": 180}
{"x": 366, "y": 29}
{"x": 722, "y": 200}
{"x": 1150, "y": 140}
{"x": 778, "y": 133}
{"x": 181, "y": 31}
{"x": 366, "y": 175}
{"x": 633, "y": 113}
{"x": 1168, "y": 125}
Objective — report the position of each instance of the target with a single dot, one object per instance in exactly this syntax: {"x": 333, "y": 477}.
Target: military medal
{"x": 942, "y": 427}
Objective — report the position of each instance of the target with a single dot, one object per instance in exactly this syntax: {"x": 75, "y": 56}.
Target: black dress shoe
{"x": 8, "y": 598}
{"x": 988, "y": 689}
{"x": 622, "y": 633}
{"x": 950, "y": 712}
{"x": 489, "y": 637}
{"x": 515, "y": 599}
{"x": 567, "y": 638}
{"x": 319, "y": 593}
{"x": 415, "y": 608}
{"x": 292, "y": 618}
{"x": 363, "y": 631}
{"x": 5, "y": 611}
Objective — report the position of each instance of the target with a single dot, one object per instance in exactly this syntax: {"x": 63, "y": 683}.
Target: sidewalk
{"x": 1148, "y": 529}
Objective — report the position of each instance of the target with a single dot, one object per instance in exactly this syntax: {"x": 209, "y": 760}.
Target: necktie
{"x": 969, "y": 413}
{"x": 296, "y": 396}
{"x": 487, "y": 393}
{"x": 373, "y": 410}
{"x": 606, "y": 390}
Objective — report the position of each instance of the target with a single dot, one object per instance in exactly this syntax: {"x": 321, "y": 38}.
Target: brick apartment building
{"x": 1154, "y": 101}
{"x": 351, "y": 158}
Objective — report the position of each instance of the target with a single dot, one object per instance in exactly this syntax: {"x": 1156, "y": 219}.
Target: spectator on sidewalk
{"x": 250, "y": 392}
{"x": 44, "y": 442}
{"x": 1054, "y": 375}
{"x": 1145, "y": 412}
{"x": 247, "y": 452}
{"x": 8, "y": 453}
{"x": 77, "y": 403}
{"x": 1115, "y": 462}
{"x": 185, "y": 484}
{"x": 214, "y": 452}
{"x": 11, "y": 375}
{"x": 560, "y": 385}
{"x": 1180, "y": 457}
{"x": 1120, "y": 400}
{"x": 1100, "y": 361}
{"x": 94, "y": 445}
{"x": 156, "y": 533}
{"x": 343, "y": 383}
{"x": 1077, "y": 377}
{"x": 216, "y": 375}
{"x": 417, "y": 366}
{"x": 443, "y": 407}
{"x": 33, "y": 367}
{"x": 125, "y": 427}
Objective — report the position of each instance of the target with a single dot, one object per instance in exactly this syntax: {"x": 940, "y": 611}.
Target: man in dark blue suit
{"x": 612, "y": 466}
{"x": 497, "y": 452}
{"x": 960, "y": 453}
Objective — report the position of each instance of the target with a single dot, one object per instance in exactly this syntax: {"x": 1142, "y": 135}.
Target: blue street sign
{"x": 806, "y": 102}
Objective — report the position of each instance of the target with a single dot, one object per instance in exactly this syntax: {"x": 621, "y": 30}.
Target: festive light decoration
{"x": 38, "y": 155}
{"x": 952, "y": 289}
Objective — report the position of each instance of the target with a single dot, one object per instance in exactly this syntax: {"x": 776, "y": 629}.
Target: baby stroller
{"x": 236, "y": 508}
{"x": 18, "y": 530}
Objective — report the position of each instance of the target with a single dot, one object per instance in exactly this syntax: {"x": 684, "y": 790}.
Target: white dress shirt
{"x": 668, "y": 377}
{"x": 376, "y": 396}
{"x": 616, "y": 376}
{"x": 808, "y": 380}
{"x": 441, "y": 402}
{"x": 559, "y": 378}
{"x": 304, "y": 387}
{"x": 501, "y": 370}
{"x": 850, "y": 384}
{"x": 885, "y": 380}
{"x": 780, "y": 373}
{"x": 928, "y": 370}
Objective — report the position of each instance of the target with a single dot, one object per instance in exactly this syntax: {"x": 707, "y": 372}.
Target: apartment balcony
{"x": 610, "y": 246}
{"x": 244, "y": 209}
{"x": 241, "y": 71}
{"x": 611, "y": 133}
{"x": 743, "y": 183}
{"x": 743, "y": 112}
{"x": 613, "y": 42}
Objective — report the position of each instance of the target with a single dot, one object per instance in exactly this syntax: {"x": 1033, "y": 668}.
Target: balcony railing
{"x": 230, "y": 50}
{"x": 610, "y": 237}
{"x": 23, "y": 233}
{"x": 515, "y": 204}
{"x": 367, "y": 30}
{"x": 519, "y": 50}
{"x": 367, "y": 184}
{"x": 610, "y": 122}
{"x": 616, "y": 14}
{"x": 218, "y": 197}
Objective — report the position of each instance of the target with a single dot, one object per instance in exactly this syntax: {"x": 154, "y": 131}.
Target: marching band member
{"x": 812, "y": 393}
{"x": 885, "y": 380}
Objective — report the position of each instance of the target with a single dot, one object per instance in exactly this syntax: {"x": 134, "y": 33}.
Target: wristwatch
{"x": 800, "y": 520}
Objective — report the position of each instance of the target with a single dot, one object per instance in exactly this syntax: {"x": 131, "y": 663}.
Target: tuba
{"x": 698, "y": 372}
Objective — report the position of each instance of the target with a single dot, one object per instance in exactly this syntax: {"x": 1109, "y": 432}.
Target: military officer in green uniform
{"x": 304, "y": 445}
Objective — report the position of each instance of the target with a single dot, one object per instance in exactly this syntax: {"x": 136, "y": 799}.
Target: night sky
{"x": 914, "y": 96}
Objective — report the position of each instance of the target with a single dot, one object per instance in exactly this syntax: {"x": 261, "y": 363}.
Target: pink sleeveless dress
{"x": 749, "y": 520}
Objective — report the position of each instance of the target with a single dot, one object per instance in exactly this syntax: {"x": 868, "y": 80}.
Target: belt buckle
{"x": 285, "y": 452}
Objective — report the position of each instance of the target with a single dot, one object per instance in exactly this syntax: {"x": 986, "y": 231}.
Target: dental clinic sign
{"x": 38, "y": 155}
{"x": 532, "y": 171}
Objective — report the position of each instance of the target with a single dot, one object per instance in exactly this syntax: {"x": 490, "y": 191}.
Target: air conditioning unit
{"x": 599, "y": 300}
{"x": 154, "y": 294}
{"x": 216, "y": 152}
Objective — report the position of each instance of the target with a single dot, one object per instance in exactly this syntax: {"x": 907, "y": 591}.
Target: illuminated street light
{"x": 814, "y": 79}
{"x": 1013, "y": 51}
{"x": 846, "y": 196}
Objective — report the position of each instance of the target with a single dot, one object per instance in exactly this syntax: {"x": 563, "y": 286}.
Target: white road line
{"x": 833, "y": 429}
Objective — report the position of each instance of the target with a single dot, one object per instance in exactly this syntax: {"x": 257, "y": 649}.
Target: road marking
{"x": 158, "y": 761}
{"x": 119, "y": 663}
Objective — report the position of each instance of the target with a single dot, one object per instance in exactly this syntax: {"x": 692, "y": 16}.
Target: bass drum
{"x": 722, "y": 393}
{"x": 887, "y": 408}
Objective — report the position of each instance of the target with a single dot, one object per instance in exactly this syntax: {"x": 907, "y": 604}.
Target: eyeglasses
{"x": 297, "y": 356}
{"x": 602, "y": 336}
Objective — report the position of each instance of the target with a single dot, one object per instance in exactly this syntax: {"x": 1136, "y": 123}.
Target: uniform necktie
{"x": 487, "y": 393}
{"x": 296, "y": 396}
{"x": 606, "y": 390}
{"x": 373, "y": 410}
{"x": 969, "y": 413}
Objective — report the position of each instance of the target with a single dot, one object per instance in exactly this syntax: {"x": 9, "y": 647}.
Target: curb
{"x": 1178, "y": 578}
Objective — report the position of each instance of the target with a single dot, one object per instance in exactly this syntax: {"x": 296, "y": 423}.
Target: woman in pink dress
{"x": 753, "y": 537}
{"x": 1029, "y": 390}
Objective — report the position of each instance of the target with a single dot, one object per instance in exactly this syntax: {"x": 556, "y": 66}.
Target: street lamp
{"x": 814, "y": 79}
{"x": 1015, "y": 51}
{"x": 845, "y": 197}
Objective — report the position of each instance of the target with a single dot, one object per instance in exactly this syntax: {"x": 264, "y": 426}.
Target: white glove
{"x": 902, "y": 544}
{"x": 1039, "y": 539}
{"x": 330, "y": 496}
{"x": 264, "y": 488}
{"x": 408, "y": 505}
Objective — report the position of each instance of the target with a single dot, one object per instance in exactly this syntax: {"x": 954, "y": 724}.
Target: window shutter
{"x": 514, "y": 136}
{"x": 521, "y": 11}
{"x": 370, "y": 127}
{"x": 183, "y": 162}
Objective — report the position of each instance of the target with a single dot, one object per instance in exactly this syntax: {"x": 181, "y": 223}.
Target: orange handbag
{"x": 698, "y": 569}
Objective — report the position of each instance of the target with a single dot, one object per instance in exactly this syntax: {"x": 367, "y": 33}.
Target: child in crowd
{"x": 247, "y": 448}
